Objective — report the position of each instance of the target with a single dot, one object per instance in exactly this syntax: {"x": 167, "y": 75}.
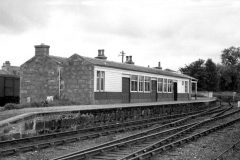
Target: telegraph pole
{"x": 122, "y": 54}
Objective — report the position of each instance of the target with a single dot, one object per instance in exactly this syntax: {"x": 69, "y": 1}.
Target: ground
{"x": 205, "y": 148}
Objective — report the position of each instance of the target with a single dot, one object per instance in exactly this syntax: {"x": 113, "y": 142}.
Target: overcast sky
{"x": 175, "y": 32}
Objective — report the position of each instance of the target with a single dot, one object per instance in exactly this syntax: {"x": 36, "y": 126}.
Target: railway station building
{"x": 96, "y": 80}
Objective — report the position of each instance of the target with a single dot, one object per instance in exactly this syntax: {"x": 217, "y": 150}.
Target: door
{"x": 175, "y": 92}
{"x": 154, "y": 91}
{"x": 125, "y": 90}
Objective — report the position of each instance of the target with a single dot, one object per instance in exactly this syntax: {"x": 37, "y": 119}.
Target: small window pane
{"x": 147, "y": 84}
{"x": 160, "y": 84}
{"x": 134, "y": 83}
{"x": 165, "y": 85}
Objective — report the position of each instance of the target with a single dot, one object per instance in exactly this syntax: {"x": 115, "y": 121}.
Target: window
{"x": 186, "y": 86}
{"x": 100, "y": 80}
{"x": 134, "y": 83}
{"x": 141, "y": 84}
{"x": 147, "y": 84}
{"x": 160, "y": 85}
{"x": 165, "y": 85}
{"x": 170, "y": 85}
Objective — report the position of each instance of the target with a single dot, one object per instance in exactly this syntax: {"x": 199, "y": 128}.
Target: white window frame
{"x": 100, "y": 86}
{"x": 134, "y": 80}
{"x": 140, "y": 81}
{"x": 170, "y": 86}
{"x": 165, "y": 83}
{"x": 147, "y": 80}
{"x": 159, "y": 83}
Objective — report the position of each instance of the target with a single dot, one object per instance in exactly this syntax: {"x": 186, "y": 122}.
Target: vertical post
{"x": 122, "y": 54}
{"x": 59, "y": 82}
{"x": 196, "y": 91}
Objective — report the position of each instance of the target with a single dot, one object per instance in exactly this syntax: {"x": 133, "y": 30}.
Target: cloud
{"x": 21, "y": 15}
{"x": 172, "y": 31}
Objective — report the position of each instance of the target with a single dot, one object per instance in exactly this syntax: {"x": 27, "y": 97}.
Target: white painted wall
{"x": 113, "y": 78}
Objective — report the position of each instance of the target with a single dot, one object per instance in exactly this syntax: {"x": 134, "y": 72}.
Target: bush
{"x": 10, "y": 106}
{"x": 61, "y": 102}
{"x": 55, "y": 102}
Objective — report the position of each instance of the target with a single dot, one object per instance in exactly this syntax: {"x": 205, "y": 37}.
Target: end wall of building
{"x": 78, "y": 75}
{"x": 39, "y": 78}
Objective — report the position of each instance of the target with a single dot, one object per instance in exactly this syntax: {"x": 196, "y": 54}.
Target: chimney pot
{"x": 101, "y": 54}
{"x": 7, "y": 63}
{"x": 129, "y": 60}
{"x": 159, "y": 66}
{"x": 6, "y": 66}
{"x": 42, "y": 50}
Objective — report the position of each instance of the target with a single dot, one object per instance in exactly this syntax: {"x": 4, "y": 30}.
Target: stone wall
{"x": 39, "y": 78}
{"x": 78, "y": 77}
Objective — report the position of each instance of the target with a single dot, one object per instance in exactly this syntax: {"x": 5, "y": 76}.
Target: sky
{"x": 174, "y": 32}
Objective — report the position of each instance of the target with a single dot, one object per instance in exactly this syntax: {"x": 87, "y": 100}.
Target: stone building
{"x": 7, "y": 69}
{"x": 98, "y": 81}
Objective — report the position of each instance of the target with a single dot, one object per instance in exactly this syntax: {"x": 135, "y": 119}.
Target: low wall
{"x": 43, "y": 123}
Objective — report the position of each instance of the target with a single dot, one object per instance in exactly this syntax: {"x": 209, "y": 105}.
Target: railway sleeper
{"x": 170, "y": 125}
{"x": 71, "y": 140}
{"x": 59, "y": 142}
{"x": 8, "y": 152}
{"x": 43, "y": 145}
{"x": 185, "y": 140}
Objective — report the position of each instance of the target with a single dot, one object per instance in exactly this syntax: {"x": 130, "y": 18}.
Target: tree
{"x": 212, "y": 78}
{"x": 197, "y": 70}
{"x": 230, "y": 77}
{"x": 230, "y": 56}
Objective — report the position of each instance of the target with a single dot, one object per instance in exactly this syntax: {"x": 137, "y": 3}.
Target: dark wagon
{"x": 9, "y": 89}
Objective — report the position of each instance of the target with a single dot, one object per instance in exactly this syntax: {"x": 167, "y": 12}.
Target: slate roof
{"x": 60, "y": 60}
{"x": 130, "y": 67}
{"x": 2, "y": 72}
{"x": 7, "y": 74}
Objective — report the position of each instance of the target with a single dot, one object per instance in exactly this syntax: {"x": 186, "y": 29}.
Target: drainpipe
{"x": 59, "y": 82}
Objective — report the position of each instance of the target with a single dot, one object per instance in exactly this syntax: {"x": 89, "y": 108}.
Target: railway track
{"x": 38, "y": 142}
{"x": 228, "y": 151}
{"x": 146, "y": 144}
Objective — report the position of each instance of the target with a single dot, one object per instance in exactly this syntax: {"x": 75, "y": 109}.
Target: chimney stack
{"x": 129, "y": 60}
{"x": 101, "y": 54}
{"x": 159, "y": 66}
{"x": 6, "y": 66}
{"x": 42, "y": 50}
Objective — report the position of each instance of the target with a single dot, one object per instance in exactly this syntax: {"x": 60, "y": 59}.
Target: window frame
{"x": 100, "y": 86}
{"x": 170, "y": 86}
{"x": 159, "y": 83}
{"x": 135, "y": 81}
{"x": 165, "y": 85}
{"x": 141, "y": 81}
{"x": 147, "y": 80}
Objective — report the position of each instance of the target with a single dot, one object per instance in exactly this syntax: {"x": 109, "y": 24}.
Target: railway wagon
{"x": 9, "y": 89}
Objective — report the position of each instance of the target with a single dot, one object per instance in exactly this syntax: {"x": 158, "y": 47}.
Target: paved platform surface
{"x": 14, "y": 115}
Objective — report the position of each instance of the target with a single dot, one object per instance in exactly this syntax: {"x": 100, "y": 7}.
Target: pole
{"x": 59, "y": 82}
{"x": 122, "y": 54}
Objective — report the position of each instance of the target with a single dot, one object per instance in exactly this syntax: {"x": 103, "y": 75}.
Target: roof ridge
{"x": 126, "y": 66}
{"x": 137, "y": 67}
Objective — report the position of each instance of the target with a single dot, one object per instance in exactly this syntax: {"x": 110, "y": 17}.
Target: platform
{"x": 29, "y": 112}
